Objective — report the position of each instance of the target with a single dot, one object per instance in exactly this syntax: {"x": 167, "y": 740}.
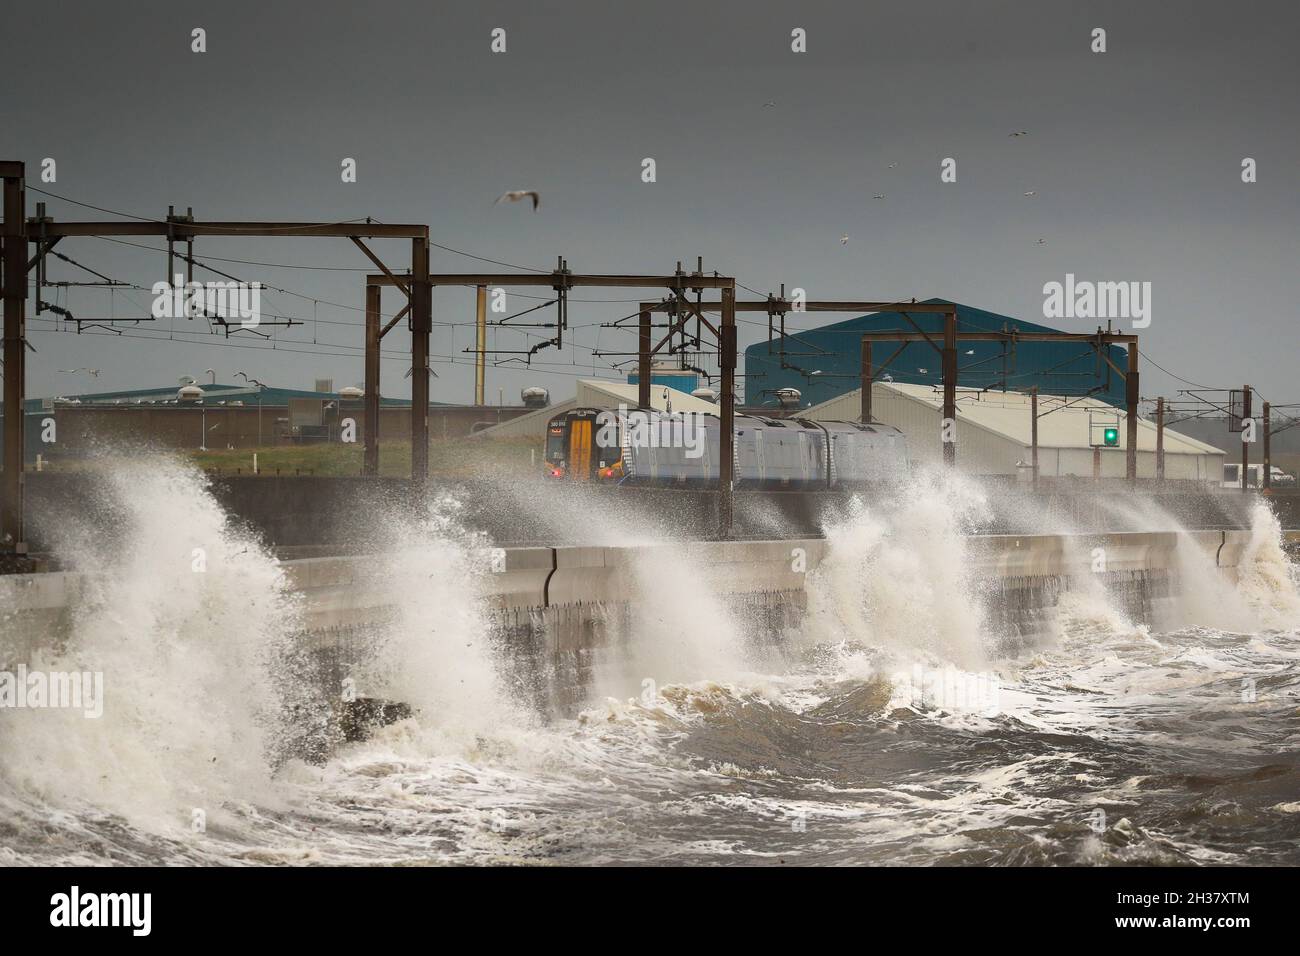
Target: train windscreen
{"x": 556, "y": 444}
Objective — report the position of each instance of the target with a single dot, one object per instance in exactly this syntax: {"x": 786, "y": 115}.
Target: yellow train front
{"x": 647, "y": 447}
{"x": 581, "y": 447}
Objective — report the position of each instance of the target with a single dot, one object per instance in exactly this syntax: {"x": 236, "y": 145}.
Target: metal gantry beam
{"x": 549, "y": 280}
{"x": 179, "y": 228}
{"x": 1108, "y": 338}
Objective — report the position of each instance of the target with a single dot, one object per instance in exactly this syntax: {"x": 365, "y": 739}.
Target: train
{"x": 648, "y": 447}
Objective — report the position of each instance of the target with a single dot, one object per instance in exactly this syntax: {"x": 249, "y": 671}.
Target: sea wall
{"x": 553, "y": 611}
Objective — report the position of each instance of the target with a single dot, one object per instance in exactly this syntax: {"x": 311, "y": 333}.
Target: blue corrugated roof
{"x": 834, "y": 351}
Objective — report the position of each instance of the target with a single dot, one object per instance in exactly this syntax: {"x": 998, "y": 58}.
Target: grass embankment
{"x": 448, "y": 458}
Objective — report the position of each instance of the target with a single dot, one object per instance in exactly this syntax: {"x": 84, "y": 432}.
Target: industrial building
{"x": 825, "y": 362}
{"x": 215, "y": 415}
{"x": 663, "y": 372}
{"x": 994, "y": 433}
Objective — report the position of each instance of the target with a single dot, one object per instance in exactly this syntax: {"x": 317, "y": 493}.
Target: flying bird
{"x": 1032, "y": 192}
{"x": 1042, "y": 242}
{"x": 514, "y": 195}
{"x": 893, "y": 165}
{"x": 881, "y": 196}
{"x": 970, "y": 351}
{"x": 844, "y": 239}
{"x": 768, "y": 103}
{"x": 1023, "y": 132}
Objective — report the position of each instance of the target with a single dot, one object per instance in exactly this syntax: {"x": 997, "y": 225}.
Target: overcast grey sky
{"x": 1134, "y": 155}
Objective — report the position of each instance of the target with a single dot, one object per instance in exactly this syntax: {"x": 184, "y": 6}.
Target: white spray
{"x": 182, "y": 619}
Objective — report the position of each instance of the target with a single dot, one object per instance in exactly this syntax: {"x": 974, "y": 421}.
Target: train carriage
{"x": 646, "y": 447}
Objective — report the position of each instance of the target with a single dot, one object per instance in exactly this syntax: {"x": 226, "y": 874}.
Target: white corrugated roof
{"x": 1008, "y": 414}
{"x": 603, "y": 394}
{"x": 530, "y": 423}
{"x": 600, "y": 394}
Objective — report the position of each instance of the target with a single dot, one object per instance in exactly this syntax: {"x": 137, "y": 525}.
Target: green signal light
{"x": 1110, "y": 436}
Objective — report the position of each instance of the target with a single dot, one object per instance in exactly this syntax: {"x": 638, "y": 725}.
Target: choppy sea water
{"x": 891, "y": 729}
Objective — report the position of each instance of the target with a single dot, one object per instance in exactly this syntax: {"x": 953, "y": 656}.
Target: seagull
{"x": 893, "y": 165}
{"x": 844, "y": 239}
{"x": 514, "y": 195}
{"x": 886, "y": 377}
{"x": 924, "y": 371}
{"x": 970, "y": 351}
{"x": 1042, "y": 242}
{"x": 768, "y": 103}
{"x": 881, "y": 196}
{"x": 1023, "y": 132}
{"x": 1032, "y": 192}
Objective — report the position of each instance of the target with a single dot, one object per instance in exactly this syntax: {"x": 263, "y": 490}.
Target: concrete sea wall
{"x": 554, "y": 610}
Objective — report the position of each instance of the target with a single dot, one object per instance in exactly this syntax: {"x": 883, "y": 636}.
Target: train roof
{"x": 754, "y": 420}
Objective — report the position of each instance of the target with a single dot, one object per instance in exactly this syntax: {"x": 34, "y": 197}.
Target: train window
{"x": 610, "y": 452}
{"x": 555, "y": 443}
